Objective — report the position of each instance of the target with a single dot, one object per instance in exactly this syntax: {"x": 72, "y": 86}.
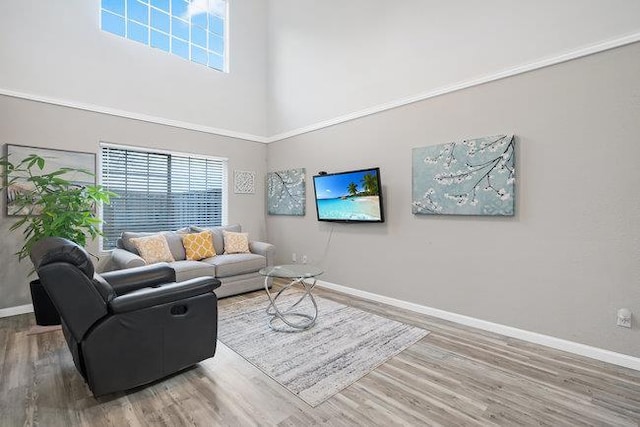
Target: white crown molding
{"x": 14, "y": 311}
{"x": 533, "y": 337}
{"x": 130, "y": 115}
{"x": 509, "y": 72}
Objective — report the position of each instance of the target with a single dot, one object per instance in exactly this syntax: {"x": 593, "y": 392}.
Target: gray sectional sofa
{"x": 238, "y": 273}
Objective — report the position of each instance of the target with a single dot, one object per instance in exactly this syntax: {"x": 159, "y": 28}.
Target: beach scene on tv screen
{"x": 350, "y": 196}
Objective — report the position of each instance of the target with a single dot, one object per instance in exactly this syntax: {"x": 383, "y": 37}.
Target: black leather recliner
{"x": 130, "y": 327}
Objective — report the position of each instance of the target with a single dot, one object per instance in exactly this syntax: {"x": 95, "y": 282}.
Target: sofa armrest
{"x": 170, "y": 292}
{"x": 267, "y": 250}
{"x": 122, "y": 259}
{"x": 131, "y": 279}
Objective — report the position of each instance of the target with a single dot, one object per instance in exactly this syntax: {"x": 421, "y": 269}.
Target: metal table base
{"x": 295, "y": 320}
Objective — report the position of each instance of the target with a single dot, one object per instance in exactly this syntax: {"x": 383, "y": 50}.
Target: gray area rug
{"x": 344, "y": 345}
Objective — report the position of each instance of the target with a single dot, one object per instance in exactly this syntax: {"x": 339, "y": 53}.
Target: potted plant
{"x": 50, "y": 205}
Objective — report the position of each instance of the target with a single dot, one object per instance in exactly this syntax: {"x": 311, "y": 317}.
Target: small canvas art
{"x": 54, "y": 160}
{"x": 286, "y": 193}
{"x": 244, "y": 182}
{"x": 469, "y": 177}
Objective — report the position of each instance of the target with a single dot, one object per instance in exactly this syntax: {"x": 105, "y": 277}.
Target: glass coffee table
{"x": 303, "y": 275}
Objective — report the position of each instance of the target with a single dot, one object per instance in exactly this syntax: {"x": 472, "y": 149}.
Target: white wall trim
{"x": 130, "y": 115}
{"x": 14, "y": 311}
{"x": 509, "y": 72}
{"x": 533, "y": 337}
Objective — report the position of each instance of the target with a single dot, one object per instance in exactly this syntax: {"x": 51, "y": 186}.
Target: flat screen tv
{"x": 353, "y": 196}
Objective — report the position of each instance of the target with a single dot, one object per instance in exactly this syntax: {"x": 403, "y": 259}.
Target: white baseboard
{"x": 14, "y": 311}
{"x": 533, "y": 337}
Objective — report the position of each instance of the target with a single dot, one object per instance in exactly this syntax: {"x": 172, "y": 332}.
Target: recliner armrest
{"x": 267, "y": 250}
{"x": 170, "y": 292}
{"x": 131, "y": 279}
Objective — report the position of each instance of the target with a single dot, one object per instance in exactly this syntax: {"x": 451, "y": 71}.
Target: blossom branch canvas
{"x": 469, "y": 177}
{"x": 286, "y": 192}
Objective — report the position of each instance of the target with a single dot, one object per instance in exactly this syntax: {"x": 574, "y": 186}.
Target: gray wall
{"x": 330, "y": 58}
{"x": 568, "y": 259}
{"x": 36, "y": 124}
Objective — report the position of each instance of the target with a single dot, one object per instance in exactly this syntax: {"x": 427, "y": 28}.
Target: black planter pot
{"x": 43, "y": 308}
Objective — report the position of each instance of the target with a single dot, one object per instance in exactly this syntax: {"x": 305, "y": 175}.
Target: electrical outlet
{"x": 624, "y": 318}
{"x": 304, "y": 259}
{"x": 294, "y": 258}
{"x": 625, "y": 323}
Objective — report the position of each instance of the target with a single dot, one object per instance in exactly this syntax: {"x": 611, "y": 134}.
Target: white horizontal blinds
{"x": 196, "y": 191}
{"x": 159, "y": 191}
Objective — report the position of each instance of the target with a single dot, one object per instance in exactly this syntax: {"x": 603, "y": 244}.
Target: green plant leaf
{"x": 19, "y": 223}
{"x": 58, "y": 172}
{"x": 31, "y": 161}
{"x": 55, "y": 206}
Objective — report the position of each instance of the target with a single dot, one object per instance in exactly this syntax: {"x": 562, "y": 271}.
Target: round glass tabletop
{"x": 291, "y": 271}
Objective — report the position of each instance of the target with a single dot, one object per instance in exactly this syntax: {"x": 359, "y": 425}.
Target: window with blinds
{"x": 160, "y": 191}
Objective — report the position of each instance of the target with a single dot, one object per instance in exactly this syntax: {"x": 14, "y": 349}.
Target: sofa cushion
{"x": 153, "y": 248}
{"x": 218, "y": 239}
{"x": 236, "y": 243}
{"x": 173, "y": 240}
{"x": 198, "y": 245}
{"x": 232, "y": 265}
{"x": 186, "y": 270}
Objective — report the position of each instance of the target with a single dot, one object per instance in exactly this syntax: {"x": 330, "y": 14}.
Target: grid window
{"x": 137, "y": 11}
{"x": 191, "y": 29}
{"x": 198, "y": 36}
{"x": 113, "y": 23}
{"x": 180, "y": 28}
{"x": 216, "y": 44}
{"x": 215, "y": 61}
{"x": 161, "y": 5}
{"x": 137, "y": 32}
{"x": 160, "y": 21}
{"x": 200, "y": 20}
{"x": 180, "y": 48}
{"x": 114, "y": 6}
{"x": 160, "y": 191}
{"x": 199, "y": 55}
{"x": 160, "y": 41}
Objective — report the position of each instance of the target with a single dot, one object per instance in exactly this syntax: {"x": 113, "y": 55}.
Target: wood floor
{"x": 454, "y": 376}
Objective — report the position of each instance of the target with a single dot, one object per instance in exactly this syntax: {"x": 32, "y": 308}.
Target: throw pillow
{"x": 198, "y": 245}
{"x": 173, "y": 240}
{"x": 218, "y": 238}
{"x": 236, "y": 243}
{"x": 153, "y": 248}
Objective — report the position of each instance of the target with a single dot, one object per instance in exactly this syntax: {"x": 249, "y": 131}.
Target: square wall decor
{"x": 469, "y": 177}
{"x": 286, "y": 193}
{"x": 244, "y": 182}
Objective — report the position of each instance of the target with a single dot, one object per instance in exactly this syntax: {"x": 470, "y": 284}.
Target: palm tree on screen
{"x": 352, "y": 188}
{"x": 370, "y": 184}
